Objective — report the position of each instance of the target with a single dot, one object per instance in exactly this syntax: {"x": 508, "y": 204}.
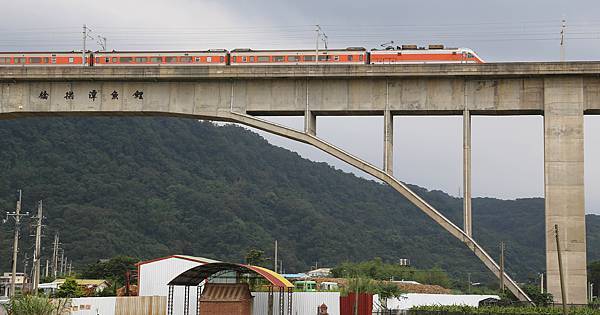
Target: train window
{"x": 186, "y": 59}
{"x": 360, "y": 57}
{"x": 197, "y": 59}
{"x": 293, "y": 58}
{"x": 278, "y": 58}
{"x": 262, "y": 58}
{"x": 470, "y": 55}
{"x": 45, "y": 59}
{"x": 115, "y": 60}
{"x": 71, "y": 60}
{"x": 156, "y": 59}
{"x": 324, "y": 58}
{"x": 35, "y": 60}
{"x": 171, "y": 59}
{"x": 208, "y": 59}
{"x": 221, "y": 59}
{"x": 244, "y": 59}
{"x": 336, "y": 58}
{"x": 141, "y": 59}
{"x": 20, "y": 60}
{"x": 5, "y": 61}
{"x": 251, "y": 58}
{"x": 309, "y": 58}
{"x": 350, "y": 57}
{"x": 98, "y": 59}
{"x": 125, "y": 59}
{"x": 53, "y": 60}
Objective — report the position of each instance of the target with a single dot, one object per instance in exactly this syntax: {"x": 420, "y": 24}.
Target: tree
{"x": 112, "y": 270}
{"x": 539, "y": 298}
{"x": 255, "y": 257}
{"x": 594, "y": 276}
{"x": 69, "y": 289}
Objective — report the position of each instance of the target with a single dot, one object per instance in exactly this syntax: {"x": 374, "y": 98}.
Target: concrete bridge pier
{"x": 388, "y": 142}
{"x": 467, "y": 222}
{"x": 563, "y": 181}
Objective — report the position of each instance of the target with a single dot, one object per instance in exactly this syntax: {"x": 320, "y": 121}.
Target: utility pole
{"x": 47, "y": 267}
{"x": 70, "y": 267}
{"x": 502, "y": 267}
{"x": 85, "y": 35}
{"x": 17, "y": 216}
{"x": 469, "y": 280}
{"x": 62, "y": 260}
{"x": 55, "y": 255}
{"x": 562, "y": 39}
{"x": 318, "y": 30}
{"x": 560, "y": 271}
{"x": 542, "y": 283}
{"x": 38, "y": 247}
{"x": 25, "y": 265}
{"x": 320, "y": 36}
{"x": 275, "y": 262}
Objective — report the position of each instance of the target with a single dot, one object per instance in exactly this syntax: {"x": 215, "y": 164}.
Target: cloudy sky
{"x": 507, "y": 151}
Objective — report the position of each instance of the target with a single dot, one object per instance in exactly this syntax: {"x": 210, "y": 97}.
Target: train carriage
{"x": 411, "y": 54}
{"x": 157, "y": 58}
{"x": 30, "y": 59}
{"x": 249, "y": 57}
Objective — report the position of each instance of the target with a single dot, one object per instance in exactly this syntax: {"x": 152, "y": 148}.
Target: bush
{"x": 35, "y": 305}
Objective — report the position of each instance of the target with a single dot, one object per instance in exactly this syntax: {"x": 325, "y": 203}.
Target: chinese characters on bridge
{"x": 92, "y": 94}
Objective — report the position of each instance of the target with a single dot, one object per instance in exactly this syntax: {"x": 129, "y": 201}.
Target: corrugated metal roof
{"x": 225, "y": 292}
{"x": 194, "y": 276}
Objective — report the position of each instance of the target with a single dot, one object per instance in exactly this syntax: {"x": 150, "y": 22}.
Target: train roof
{"x": 237, "y": 50}
{"x": 161, "y": 51}
{"x": 39, "y": 52}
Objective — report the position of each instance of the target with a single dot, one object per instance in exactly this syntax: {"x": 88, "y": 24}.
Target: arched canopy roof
{"x": 194, "y": 276}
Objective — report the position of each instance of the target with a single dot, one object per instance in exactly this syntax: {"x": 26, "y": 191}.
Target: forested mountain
{"x": 149, "y": 187}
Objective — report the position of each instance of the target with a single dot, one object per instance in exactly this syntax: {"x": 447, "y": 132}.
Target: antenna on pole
{"x": 562, "y": 39}
{"x": 102, "y": 42}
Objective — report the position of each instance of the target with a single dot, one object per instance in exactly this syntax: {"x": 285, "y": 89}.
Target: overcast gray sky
{"x": 507, "y": 151}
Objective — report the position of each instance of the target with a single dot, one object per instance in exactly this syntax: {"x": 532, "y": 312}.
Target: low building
{"x": 89, "y": 286}
{"x": 22, "y": 283}
{"x": 319, "y": 273}
{"x": 155, "y": 274}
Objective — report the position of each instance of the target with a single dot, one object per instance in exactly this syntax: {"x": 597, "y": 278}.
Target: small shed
{"x": 226, "y": 299}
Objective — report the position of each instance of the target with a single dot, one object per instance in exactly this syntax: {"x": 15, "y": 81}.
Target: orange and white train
{"x": 406, "y": 54}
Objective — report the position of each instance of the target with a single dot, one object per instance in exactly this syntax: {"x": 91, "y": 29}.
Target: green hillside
{"x": 149, "y": 187}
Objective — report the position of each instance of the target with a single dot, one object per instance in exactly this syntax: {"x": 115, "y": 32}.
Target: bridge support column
{"x": 388, "y": 142}
{"x": 563, "y": 186}
{"x": 467, "y": 222}
{"x": 310, "y": 123}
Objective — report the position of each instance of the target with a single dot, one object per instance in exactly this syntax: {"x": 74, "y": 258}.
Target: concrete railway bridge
{"x": 562, "y": 92}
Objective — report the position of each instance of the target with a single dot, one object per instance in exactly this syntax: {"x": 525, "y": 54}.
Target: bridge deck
{"x": 153, "y": 73}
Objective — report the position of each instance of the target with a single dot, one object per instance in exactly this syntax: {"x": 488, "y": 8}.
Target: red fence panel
{"x": 365, "y": 304}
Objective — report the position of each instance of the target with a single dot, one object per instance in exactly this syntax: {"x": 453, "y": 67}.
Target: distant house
{"x": 21, "y": 282}
{"x": 89, "y": 286}
{"x": 319, "y": 273}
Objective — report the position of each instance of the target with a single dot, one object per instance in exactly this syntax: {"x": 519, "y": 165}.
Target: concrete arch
{"x": 310, "y": 139}
{"x": 348, "y": 158}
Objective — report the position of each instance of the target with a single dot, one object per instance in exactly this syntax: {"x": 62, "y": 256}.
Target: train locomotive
{"x": 405, "y": 54}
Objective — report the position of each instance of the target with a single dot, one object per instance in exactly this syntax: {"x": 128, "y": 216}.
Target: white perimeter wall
{"x": 97, "y": 305}
{"x": 302, "y": 303}
{"x": 417, "y": 299}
